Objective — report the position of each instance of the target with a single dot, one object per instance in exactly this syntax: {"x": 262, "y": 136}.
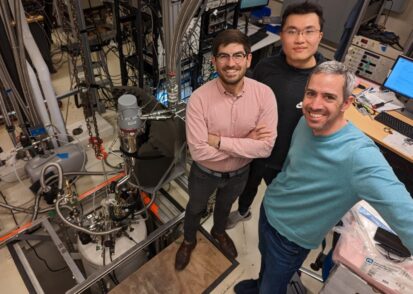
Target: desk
{"x": 374, "y": 129}
{"x": 262, "y": 48}
{"x": 271, "y": 39}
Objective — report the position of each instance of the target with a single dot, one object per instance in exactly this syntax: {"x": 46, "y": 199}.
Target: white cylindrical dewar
{"x": 92, "y": 254}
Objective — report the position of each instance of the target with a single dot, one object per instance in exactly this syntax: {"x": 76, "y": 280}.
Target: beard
{"x": 232, "y": 80}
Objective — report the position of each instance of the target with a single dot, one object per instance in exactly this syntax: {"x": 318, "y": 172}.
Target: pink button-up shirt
{"x": 213, "y": 110}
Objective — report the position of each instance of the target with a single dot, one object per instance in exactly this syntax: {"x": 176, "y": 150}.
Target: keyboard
{"x": 395, "y": 124}
{"x": 257, "y": 36}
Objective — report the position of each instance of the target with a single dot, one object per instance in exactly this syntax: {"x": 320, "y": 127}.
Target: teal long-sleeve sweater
{"x": 324, "y": 176}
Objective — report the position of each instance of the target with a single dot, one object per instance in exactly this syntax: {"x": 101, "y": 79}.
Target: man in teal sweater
{"x": 330, "y": 166}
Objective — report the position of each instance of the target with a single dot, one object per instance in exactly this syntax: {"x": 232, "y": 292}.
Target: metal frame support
{"x": 96, "y": 276}
{"x": 77, "y": 274}
{"x": 29, "y": 273}
{"x": 84, "y": 43}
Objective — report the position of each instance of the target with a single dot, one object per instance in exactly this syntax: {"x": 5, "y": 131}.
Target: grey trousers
{"x": 201, "y": 185}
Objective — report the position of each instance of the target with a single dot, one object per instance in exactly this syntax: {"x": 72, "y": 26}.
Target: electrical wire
{"x": 45, "y": 261}
{"x": 16, "y": 208}
{"x": 11, "y": 210}
{"x": 112, "y": 275}
{"x": 67, "y": 109}
{"x": 388, "y": 12}
{"x": 129, "y": 237}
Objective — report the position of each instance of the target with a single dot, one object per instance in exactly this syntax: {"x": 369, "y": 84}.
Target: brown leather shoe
{"x": 183, "y": 255}
{"x": 226, "y": 244}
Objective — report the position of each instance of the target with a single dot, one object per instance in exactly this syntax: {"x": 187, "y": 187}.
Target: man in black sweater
{"x": 286, "y": 74}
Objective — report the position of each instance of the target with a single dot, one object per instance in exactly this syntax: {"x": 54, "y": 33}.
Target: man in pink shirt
{"x": 229, "y": 121}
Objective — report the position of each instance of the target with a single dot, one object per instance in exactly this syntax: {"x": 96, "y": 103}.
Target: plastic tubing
{"x": 43, "y": 75}
{"x": 38, "y": 101}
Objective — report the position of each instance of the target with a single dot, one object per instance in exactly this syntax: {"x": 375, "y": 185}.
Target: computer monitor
{"x": 400, "y": 81}
{"x": 247, "y": 6}
{"x": 251, "y": 4}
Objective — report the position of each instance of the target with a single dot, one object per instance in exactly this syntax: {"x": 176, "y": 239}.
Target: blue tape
{"x": 374, "y": 219}
{"x": 63, "y": 155}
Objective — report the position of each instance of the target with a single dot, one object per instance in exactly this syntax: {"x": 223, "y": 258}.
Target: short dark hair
{"x": 228, "y": 37}
{"x": 303, "y": 8}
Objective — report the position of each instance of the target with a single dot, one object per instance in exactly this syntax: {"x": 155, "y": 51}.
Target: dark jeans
{"x": 258, "y": 171}
{"x": 201, "y": 185}
{"x": 280, "y": 258}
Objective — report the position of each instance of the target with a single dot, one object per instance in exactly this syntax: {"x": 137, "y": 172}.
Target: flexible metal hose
{"x": 46, "y": 188}
{"x": 48, "y": 180}
{"x": 79, "y": 228}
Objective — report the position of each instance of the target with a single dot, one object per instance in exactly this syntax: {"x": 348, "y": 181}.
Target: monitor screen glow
{"x": 400, "y": 78}
{"x": 247, "y": 4}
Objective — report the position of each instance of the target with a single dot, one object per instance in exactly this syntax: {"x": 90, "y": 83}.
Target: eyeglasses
{"x": 236, "y": 57}
{"x": 307, "y": 33}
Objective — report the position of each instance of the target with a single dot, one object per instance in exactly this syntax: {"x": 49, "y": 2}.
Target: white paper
{"x": 400, "y": 142}
{"x": 391, "y": 276}
{"x": 375, "y": 96}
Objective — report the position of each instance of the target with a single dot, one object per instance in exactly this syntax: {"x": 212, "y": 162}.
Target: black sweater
{"x": 288, "y": 84}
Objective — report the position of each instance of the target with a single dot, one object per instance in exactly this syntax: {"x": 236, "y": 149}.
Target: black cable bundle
{"x": 373, "y": 31}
